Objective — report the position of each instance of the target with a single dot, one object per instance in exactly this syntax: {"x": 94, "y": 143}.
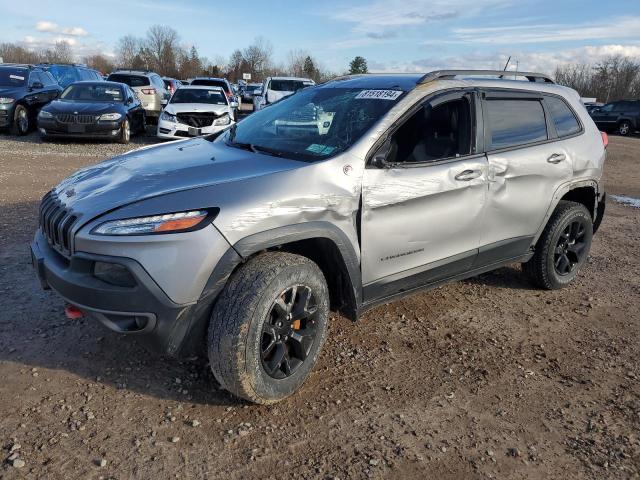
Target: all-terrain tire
{"x": 236, "y": 329}
{"x": 542, "y": 268}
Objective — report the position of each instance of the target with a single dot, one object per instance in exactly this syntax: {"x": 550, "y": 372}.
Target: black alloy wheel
{"x": 289, "y": 332}
{"x": 570, "y": 248}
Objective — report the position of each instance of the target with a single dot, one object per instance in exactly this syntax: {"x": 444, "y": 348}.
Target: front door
{"x": 422, "y": 208}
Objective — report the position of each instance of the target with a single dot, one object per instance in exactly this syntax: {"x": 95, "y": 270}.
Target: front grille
{"x": 198, "y": 120}
{"x": 56, "y": 223}
{"x": 78, "y": 119}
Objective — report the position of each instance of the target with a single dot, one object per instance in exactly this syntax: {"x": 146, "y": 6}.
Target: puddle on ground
{"x": 624, "y": 200}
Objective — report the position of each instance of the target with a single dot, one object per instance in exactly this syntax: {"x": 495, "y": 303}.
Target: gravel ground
{"x": 487, "y": 378}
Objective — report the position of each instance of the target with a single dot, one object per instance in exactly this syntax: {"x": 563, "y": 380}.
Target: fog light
{"x": 113, "y": 274}
{"x": 115, "y": 132}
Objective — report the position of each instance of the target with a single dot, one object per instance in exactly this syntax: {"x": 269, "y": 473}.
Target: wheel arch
{"x": 585, "y": 192}
{"x": 327, "y": 246}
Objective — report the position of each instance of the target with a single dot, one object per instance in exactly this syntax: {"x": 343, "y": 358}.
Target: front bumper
{"x": 53, "y": 128}
{"x": 143, "y": 310}
{"x": 6, "y": 114}
{"x": 173, "y": 130}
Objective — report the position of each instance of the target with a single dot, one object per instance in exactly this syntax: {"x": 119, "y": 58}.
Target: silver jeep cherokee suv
{"x": 341, "y": 197}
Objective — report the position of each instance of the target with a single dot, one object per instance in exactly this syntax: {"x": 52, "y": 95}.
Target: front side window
{"x": 515, "y": 122}
{"x": 312, "y": 124}
{"x": 92, "y": 93}
{"x": 434, "y": 133}
{"x": 563, "y": 118}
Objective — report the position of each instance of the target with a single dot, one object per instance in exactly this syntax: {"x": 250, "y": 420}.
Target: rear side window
{"x": 562, "y": 116}
{"x": 515, "y": 122}
{"x": 131, "y": 80}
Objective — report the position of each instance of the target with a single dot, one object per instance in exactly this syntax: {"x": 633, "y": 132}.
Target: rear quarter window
{"x": 515, "y": 122}
{"x": 563, "y": 118}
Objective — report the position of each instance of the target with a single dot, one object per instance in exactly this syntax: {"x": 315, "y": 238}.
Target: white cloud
{"x": 616, "y": 28}
{"x": 75, "y": 31}
{"x": 44, "y": 26}
{"x": 545, "y": 62}
{"x": 384, "y": 20}
{"x": 50, "y": 27}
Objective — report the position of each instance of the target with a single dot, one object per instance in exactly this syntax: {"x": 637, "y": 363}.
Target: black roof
{"x": 99, "y": 82}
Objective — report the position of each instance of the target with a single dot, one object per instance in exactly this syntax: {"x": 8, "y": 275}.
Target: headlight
{"x": 44, "y": 114}
{"x": 6, "y": 100}
{"x": 110, "y": 117}
{"x": 167, "y": 116}
{"x": 224, "y": 120}
{"x": 168, "y": 223}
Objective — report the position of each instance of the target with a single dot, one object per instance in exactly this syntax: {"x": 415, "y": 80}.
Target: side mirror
{"x": 233, "y": 104}
{"x": 383, "y": 156}
{"x": 164, "y": 102}
{"x": 37, "y": 86}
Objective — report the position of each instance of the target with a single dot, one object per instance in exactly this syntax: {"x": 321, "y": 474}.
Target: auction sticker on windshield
{"x": 16, "y": 77}
{"x": 379, "y": 94}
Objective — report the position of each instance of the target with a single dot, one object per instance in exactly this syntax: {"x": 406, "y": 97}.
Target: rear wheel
{"x": 268, "y": 327}
{"x": 125, "y": 132}
{"x": 21, "y": 122}
{"x": 563, "y": 247}
{"x": 624, "y": 127}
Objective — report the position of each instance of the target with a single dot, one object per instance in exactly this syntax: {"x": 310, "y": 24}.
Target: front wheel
{"x": 624, "y": 128}
{"x": 125, "y": 132}
{"x": 268, "y": 327}
{"x": 21, "y": 123}
{"x": 562, "y": 248}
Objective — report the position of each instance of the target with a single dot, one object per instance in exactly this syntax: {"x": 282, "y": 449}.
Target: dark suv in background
{"x": 24, "y": 90}
{"x": 622, "y": 116}
{"x": 66, "y": 74}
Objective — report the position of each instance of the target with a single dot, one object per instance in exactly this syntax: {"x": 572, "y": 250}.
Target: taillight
{"x": 149, "y": 91}
{"x": 229, "y": 94}
{"x": 605, "y": 139}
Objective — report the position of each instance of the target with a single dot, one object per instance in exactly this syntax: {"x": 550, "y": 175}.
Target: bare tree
{"x": 162, "y": 46}
{"x": 99, "y": 62}
{"x": 614, "y": 78}
{"x": 258, "y": 57}
{"x": 127, "y": 49}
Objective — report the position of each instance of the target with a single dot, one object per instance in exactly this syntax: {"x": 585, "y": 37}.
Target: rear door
{"x": 528, "y": 161}
{"x": 607, "y": 115}
{"x": 422, "y": 213}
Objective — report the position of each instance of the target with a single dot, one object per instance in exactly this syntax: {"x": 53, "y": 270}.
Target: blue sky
{"x": 393, "y": 35}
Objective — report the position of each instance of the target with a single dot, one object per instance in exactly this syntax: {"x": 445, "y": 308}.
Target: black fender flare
{"x": 305, "y": 231}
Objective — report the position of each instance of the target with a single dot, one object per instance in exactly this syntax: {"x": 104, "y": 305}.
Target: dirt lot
{"x": 487, "y": 378}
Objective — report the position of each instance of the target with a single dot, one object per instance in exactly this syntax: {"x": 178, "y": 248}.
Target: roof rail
{"x": 450, "y": 74}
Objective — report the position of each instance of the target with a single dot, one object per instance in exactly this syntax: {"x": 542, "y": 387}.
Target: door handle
{"x": 557, "y": 158}
{"x": 467, "y": 175}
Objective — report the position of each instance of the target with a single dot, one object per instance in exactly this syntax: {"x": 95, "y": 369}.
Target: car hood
{"x": 174, "y": 108}
{"x": 13, "y": 92}
{"x": 161, "y": 169}
{"x": 60, "y": 106}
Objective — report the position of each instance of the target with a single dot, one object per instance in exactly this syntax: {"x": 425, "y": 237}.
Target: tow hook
{"x": 72, "y": 312}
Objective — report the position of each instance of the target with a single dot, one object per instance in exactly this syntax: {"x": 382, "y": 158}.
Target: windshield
{"x": 312, "y": 124}
{"x": 287, "y": 85}
{"x": 92, "y": 93}
{"x": 211, "y": 83}
{"x": 199, "y": 95}
{"x": 64, "y": 74}
{"x": 13, "y": 77}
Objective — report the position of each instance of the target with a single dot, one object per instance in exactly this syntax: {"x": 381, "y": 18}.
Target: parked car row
{"x": 622, "y": 116}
